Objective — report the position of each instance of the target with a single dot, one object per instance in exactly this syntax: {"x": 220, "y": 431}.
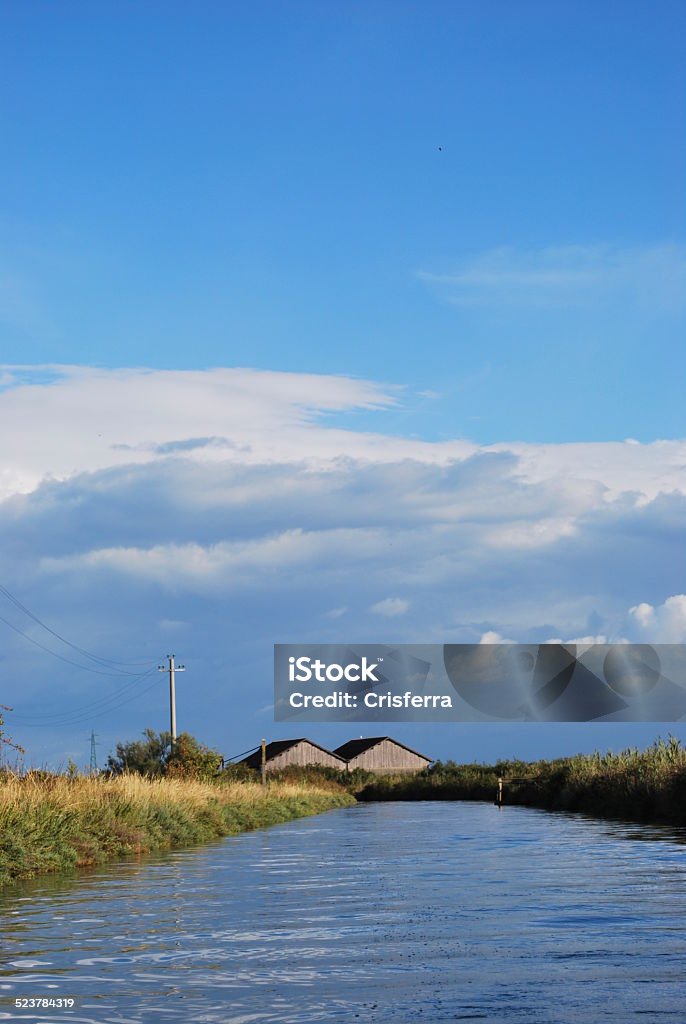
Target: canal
{"x": 392, "y": 912}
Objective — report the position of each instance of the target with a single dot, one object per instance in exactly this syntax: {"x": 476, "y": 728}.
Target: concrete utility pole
{"x": 171, "y": 668}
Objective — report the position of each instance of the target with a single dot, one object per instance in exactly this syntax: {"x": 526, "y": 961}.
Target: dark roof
{"x": 354, "y": 747}
{"x": 277, "y": 747}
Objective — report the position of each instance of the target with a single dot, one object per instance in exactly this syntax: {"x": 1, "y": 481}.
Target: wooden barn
{"x": 301, "y": 752}
{"x": 382, "y": 754}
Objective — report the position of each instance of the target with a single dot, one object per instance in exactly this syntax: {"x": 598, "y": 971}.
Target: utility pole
{"x": 94, "y": 760}
{"x": 171, "y": 668}
{"x": 263, "y": 762}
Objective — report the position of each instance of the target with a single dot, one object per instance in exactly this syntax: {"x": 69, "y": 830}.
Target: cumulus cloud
{"x": 224, "y": 509}
{"x": 224, "y": 564}
{"x": 664, "y": 623}
{"x": 643, "y": 613}
{"x": 243, "y": 484}
{"x": 491, "y": 636}
{"x": 67, "y": 420}
{"x": 584, "y": 642}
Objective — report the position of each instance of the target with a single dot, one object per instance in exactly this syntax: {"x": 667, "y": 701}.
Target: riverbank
{"x": 640, "y": 785}
{"x": 55, "y": 823}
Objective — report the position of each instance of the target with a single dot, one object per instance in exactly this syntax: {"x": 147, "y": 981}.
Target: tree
{"x": 154, "y": 756}
{"x": 147, "y": 756}
{"x": 5, "y": 741}
{"x": 191, "y": 759}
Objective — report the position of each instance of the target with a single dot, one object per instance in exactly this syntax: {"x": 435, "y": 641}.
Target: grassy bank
{"x": 643, "y": 785}
{"x": 54, "y": 823}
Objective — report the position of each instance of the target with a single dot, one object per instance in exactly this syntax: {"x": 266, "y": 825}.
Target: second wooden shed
{"x": 382, "y": 754}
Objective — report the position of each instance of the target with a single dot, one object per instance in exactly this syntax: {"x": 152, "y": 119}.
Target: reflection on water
{"x": 395, "y": 912}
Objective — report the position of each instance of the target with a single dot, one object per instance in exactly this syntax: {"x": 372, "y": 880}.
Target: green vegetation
{"x": 51, "y": 822}
{"x": 60, "y": 822}
{"x": 154, "y": 757}
{"x": 648, "y": 785}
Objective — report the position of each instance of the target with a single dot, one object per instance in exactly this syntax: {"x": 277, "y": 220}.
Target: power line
{"x": 85, "y": 715}
{"x": 60, "y": 657}
{"x": 106, "y": 711}
{"x": 235, "y": 757}
{"x": 96, "y": 705}
{"x": 81, "y": 650}
{"x": 103, "y": 705}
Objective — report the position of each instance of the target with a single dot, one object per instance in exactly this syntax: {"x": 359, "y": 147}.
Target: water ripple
{"x": 386, "y": 913}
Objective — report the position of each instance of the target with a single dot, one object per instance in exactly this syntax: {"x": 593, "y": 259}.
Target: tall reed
{"x": 53, "y": 822}
{"x": 646, "y": 785}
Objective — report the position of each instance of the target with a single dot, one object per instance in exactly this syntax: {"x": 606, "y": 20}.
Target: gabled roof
{"x": 277, "y": 747}
{"x": 355, "y": 747}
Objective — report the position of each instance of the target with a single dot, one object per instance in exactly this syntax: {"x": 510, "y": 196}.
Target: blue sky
{"x": 450, "y": 235}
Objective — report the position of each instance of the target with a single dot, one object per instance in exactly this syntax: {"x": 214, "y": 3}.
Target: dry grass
{"x": 52, "y": 822}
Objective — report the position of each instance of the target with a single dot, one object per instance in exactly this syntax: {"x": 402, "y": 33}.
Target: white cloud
{"x": 491, "y": 636}
{"x": 197, "y": 497}
{"x": 65, "y": 421}
{"x": 239, "y": 502}
{"x": 226, "y": 563}
{"x": 224, "y": 509}
{"x": 531, "y": 535}
{"x": 582, "y": 643}
{"x": 336, "y": 613}
{"x": 584, "y": 470}
{"x": 391, "y": 607}
{"x": 644, "y": 614}
{"x": 665, "y": 623}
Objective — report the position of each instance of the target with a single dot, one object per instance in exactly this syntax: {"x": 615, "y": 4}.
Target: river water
{"x": 397, "y": 912}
